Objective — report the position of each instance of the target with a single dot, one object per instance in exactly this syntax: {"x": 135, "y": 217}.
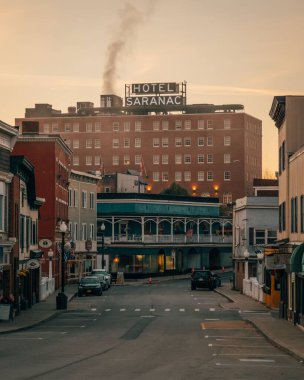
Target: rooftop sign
{"x": 155, "y": 94}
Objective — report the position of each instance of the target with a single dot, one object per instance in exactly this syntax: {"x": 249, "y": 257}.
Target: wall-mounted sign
{"x": 32, "y": 264}
{"x": 45, "y": 243}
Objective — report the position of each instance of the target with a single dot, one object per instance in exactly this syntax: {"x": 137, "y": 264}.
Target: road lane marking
{"x": 137, "y": 309}
{"x": 211, "y": 309}
{"x": 122, "y": 310}
{"x": 258, "y": 360}
{"x": 182, "y": 310}
{"x": 107, "y": 310}
{"x": 152, "y": 309}
{"x": 167, "y": 309}
{"x": 196, "y": 309}
{"x": 212, "y": 319}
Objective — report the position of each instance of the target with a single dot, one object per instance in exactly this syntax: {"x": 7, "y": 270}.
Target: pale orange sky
{"x": 228, "y": 51}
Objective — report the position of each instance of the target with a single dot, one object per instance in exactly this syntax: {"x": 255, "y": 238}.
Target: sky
{"x": 228, "y": 51}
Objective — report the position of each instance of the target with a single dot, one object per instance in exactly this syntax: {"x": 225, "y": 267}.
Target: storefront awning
{"x": 297, "y": 259}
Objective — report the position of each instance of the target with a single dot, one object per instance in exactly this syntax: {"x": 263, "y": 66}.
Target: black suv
{"x": 202, "y": 279}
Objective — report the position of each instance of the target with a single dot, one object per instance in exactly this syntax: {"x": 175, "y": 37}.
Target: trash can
{"x": 61, "y": 301}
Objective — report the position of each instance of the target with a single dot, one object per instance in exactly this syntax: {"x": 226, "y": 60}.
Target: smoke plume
{"x": 130, "y": 18}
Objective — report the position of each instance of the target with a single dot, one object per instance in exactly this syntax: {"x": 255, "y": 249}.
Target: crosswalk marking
{"x": 137, "y": 309}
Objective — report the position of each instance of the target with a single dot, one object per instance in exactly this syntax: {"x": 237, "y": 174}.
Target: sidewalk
{"x": 282, "y": 333}
{"x": 38, "y": 313}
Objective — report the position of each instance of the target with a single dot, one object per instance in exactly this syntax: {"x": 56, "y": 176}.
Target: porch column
{"x": 198, "y": 225}
{"x": 171, "y": 229}
{"x": 157, "y": 220}
{"x": 142, "y": 229}
{"x": 113, "y": 225}
{"x": 210, "y": 230}
{"x": 185, "y": 230}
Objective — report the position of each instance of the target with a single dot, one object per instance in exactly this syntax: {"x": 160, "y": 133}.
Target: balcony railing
{"x": 168, "y": 239}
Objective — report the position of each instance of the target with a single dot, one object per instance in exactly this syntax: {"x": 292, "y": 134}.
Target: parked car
{"x": 218, "y": 279}
{"x": 202, "y": 279}
{"x": 107, "y": 275}
{"x": 89, "y": 285}
{"x": 103, "y": 281}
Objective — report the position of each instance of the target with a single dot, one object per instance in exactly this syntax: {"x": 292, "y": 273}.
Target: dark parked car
{"x": 202, "y": 279}
{"x": 89, "y": 285}
{"x": 218, "y": 279}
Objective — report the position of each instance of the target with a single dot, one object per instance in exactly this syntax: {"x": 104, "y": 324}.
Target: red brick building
{"x": 207, "y": 149}
{"x": 50, "y": 157}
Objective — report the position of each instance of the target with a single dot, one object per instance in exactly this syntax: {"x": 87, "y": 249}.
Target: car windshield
{"x": 201, "y": 275}
{"x": 89, "y": 280}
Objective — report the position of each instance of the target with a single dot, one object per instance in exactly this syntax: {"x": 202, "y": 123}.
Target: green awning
{"x": 297, "y": 259}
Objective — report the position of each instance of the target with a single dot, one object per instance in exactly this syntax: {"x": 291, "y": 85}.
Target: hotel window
{"x": 75, "y": 144}
{"x": 138, "y": 142}
{"x": 187, "y": 176}
{"x": 92, "y": 201}
{"x": 209, "y": 124}
{"x": 178, "y": 141}
{"x": 84, "y": 199}
{"x": 227, "y": 158}
{"x": 210, "y": 158}
{"x": 68, "y": 127}
{"x": 187, "y": 158}
{"x": 165, "y": 176}
{"x": 227, "y": 176}
{"x": 155, "y": 159}
{"x": 209, "y": 140}
{"x": 156, "y": 176}
{"x": 302, "y": 213}
{"x": 89, "y": 143}
{"x": 156, "y": 143}
{"x": 178, "y": 176}
{"x": 200, "y": 176}
{"x": 75, "y": 160}
{"x": 91, "y": 236}
{"x": 165, "y": 125}
{"x": 97, "y": 143}
{"x": 137, "y": 126}
{"x": 138, "y": 159}
{"x": 97, "y": 160}
{"x": 55, "y": 127}
{"x": 97, "y": 127}
{"x": 187, "y": 124}
{"x": 115, "y": 126}
{"x": 115, "y": 143}
{"x": 178, "y": 159}
{"x": 75, "y": 127}
{"x": 187, "y": 141}
{"x": 178, "y": 125}
{"x": 165, "y": 159}
{"x": 227, "y": 140}
{"x": 89, "y": 127}
{"x": 126, "y": 143}
{"x": 200, "y": 141}
{"x": 126, "y": 159}
{"x": 227, "y": 198}
{"x": 75, "y": 198}
{"x": 46, "y": 128}
{"x": 165, "y": 142}
{"x": 115, "y": 160}
{"x": 227, "y": 124}
{"x": 209, "y": 176}
{"x": 83, "y": 231}
{"x": 70, "y": 197}
{"x": 200, "y": 158}
{"x": 75, "y": 231}
{"x": 127, "y": 126}
{"x": 88, "y": 160}
{"x": 200, "y": 124}
{"x": 156, "y": 125}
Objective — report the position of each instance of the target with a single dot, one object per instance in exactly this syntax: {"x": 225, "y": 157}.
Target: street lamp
{"x": 50, "y": 256}
{"x": 61, "y": 299}
{"x": 246, "y": 256}
{"x": 102, "y": 229}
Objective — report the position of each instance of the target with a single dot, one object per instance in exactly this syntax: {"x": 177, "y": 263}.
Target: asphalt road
{"x": 145, "y": 332}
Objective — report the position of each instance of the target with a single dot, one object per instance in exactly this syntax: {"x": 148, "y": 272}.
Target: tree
{"x": 175, "y": 189}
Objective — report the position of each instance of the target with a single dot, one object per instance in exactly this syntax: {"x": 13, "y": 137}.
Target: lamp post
{"x": 61, "y": 299}
{"x": 246, "y": 256}
{"x": 102, "y": 228}
{"x": 260, "y": 257}
{"x": 50, "y": 256}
